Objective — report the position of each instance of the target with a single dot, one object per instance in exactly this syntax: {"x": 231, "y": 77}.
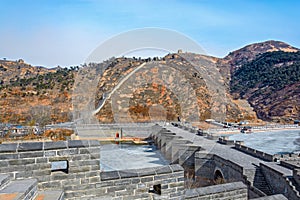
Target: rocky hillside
{"x": 32, "y": 95}
{"x": 260, "y": 80}
{"x": 271, "y": 83}
{"x": 182, "y": 85}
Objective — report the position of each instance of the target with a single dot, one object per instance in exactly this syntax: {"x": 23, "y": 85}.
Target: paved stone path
{"x": 224, "y": 151}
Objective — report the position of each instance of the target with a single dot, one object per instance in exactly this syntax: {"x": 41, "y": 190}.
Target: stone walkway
{"x": 225, "y": 151}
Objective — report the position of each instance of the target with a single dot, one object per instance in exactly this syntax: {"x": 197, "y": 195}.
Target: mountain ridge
{"x": 61, "y": 88}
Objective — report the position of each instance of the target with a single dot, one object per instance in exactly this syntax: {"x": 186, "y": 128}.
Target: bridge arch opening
{"x": 218, "y": 177}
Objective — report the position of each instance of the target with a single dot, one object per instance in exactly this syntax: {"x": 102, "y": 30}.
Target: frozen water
{"x": 272, "y": 142}
{"x": 129, "y": 156}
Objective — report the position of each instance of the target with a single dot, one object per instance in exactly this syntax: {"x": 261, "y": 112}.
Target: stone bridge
{"x": 221, "y": 162}
{"x": 200, "y": 168}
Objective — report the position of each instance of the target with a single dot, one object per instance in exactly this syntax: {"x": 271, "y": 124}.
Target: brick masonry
{"x": 82, "y": 179}
{"x": 279, "y": 182}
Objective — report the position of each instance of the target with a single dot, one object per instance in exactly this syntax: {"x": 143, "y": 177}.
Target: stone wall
{"x": 61, "y": 165}
{"x": 279, "y": 182}
{"x": 231, "y": 171}
{"x": 74, "y": 167}
{"x": 165, "y": 182}
{"x": 255, "y": 153}
{"x": 175, "y": 149}
{"x": 206, "y": 164}
{"x": 289, "y": 156}
{"x": 204, "y": 167}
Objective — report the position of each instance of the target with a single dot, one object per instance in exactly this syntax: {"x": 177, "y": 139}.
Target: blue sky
{"x": 65, "y": 32}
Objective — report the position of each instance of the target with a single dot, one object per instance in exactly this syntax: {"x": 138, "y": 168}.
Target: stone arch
{"x": 218, "y": 177}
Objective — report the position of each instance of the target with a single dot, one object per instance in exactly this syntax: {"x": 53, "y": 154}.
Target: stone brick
{"x": 55, "y": 145}
{"x": 141, "y": 190}
{"x": 68, "y": 182}
{"x": 30, "y": 146}
{"x": 3, "y": 163}
{"x": 124, "y": 193}
{"x": 49, "y": 153}
{"x": 91, "y": 174}
{"x": 91, "y": 150}
{"x": 109, "y": 175}
{"x": 31, "y": 154}
{"x": 95, "y": 156}
{"x": 142, "y": 185}
{"x": 80, "y": 175}
{"x": 135, "y": 180}
{"x": 180, "y": 179}
{"x": 163, "y": 170}
{"x": 163, "y": 176}
{"x": 42, "y": 165}
{"x": 84, "y": 186}
{"x": 80, "y": 157}
{"x": 58, "y": 158}
{"x": 168, "y": 191}
{"x": 95, "y": 167}
{"x": 122, "y": 182}
{"x": 58, "y": 176}
{"x": 116, "y": 188}
{"x": 104, "y": 184}
{"x": 42, "y": 178}
{"x": 79, "y": 169}
{"x": 172, "y": 183}
{"x": 146, "y": 172}
{"x": 94, "y": 179}
{"x": 23, "y": 174}
{"x": 78, "y": 143}
{"x": 100, "y": 192}
{"x": 176, "y": 168}
{"x": 52, "y": 184}
{"x": 12, "y": 168}
{"x": 41, "y": 172}
{"x": 22, "y": 161}
{"x": 145, "y": 196}
{"x": 84, "y": 181}
{"x": 128, "y": 173}
{"x": 147, "y": 179}
{"x": 66, "y": 152}
{"x": 6, "y": 156}
{"x": 12, "y": 147}
{"x": 88, "y": 162}
{"x": 41, "y": 160}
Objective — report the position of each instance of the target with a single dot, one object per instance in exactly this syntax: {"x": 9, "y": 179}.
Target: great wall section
{"x": 220, "y": 168}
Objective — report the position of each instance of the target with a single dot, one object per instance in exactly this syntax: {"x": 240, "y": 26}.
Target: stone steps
{"x": 260, "y": 182}
{"x": 4, "y": 180}
{"x": 50, "y": 195}
{"x": 19, "y": 190}
{"x": 257, "y": 179}
{"x": 25, "y": 189}
{"x": 294, "y": 183}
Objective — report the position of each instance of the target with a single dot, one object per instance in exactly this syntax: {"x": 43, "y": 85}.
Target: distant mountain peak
{"x": 250, "y": 52}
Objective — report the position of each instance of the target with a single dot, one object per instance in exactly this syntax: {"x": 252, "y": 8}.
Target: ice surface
{"x": 272, "y": 142}
{"x": 128, "y": 156}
